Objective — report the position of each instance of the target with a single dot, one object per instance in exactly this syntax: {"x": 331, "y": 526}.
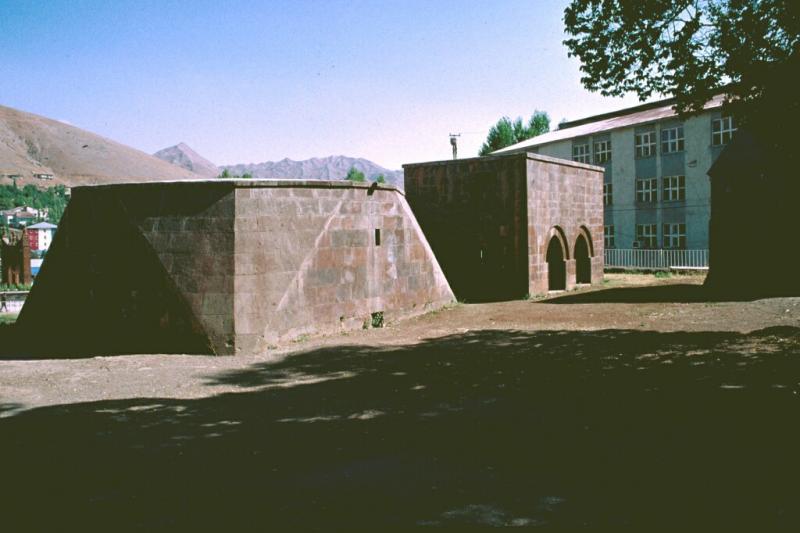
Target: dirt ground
{"x": 639, "y": 403}
{"x": 638, "y": 302}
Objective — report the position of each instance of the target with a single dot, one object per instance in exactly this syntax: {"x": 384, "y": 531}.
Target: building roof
{"x": 623, "y": 118}
{"x": 42, "y": 225}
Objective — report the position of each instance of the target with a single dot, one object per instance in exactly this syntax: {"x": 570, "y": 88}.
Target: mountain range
{"x": 333, "y": 167}
{"x": 32, "y": 145}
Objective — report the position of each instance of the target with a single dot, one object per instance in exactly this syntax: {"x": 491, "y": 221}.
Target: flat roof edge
{"x": 250, "y": 184}
{"x": 564, "y": 162}
{"x": 464, "y": 160}
{"x": 519, "y": 153}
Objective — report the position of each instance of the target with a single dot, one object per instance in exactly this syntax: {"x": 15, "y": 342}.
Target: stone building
{"x": 503, "y": 227}
{"x": 15, "y": 258}
{"x": 229, "y": 266}
{"x": 656, "y": 192}
{"x": 754, "y": 189}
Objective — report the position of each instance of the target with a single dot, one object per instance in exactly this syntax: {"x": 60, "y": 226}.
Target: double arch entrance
{"x": 558, "y": 254}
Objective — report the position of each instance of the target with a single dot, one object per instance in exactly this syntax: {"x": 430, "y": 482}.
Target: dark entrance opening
{"x": 583, "y": 265}
{"x": 556, "y": 267}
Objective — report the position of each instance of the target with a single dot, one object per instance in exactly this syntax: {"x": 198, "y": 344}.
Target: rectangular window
{"x": 645, "y": 144}
{"x": 722, "y": 130}
{"x": 646, "y": 235}
{"x": 608, "y": 236}
{"x": 608, "y": 193}
{"x": 647, "y": 190}
{"x": 602, "y": 152}
{"x": 675, "y": 236}
{"x": 672, "y": 140}
{"x": 377, "y": 237}
{"x": 580, "y": 153}
{"x": 674, "y": 188}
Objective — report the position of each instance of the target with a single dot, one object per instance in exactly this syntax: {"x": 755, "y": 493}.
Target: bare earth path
{"x": 659, "y": 305}
{"x": 638, "y": 404}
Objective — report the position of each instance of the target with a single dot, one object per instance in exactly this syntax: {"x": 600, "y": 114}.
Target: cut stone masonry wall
{"x": 233, "y": 266}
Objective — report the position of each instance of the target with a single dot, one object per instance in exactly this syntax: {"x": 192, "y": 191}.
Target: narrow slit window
{"x": 377, "y": 237}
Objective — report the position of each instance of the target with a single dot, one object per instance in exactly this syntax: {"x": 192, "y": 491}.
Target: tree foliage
{"x": 355, "y": 175}
{"x": 380, "y": 179}
{"x": 226, "y": 174}
{"x": 507, "y": 132}
{"x": 689, "y": 49}
{"x": 54, "y": 199}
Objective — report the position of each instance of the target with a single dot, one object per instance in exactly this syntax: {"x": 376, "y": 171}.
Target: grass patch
{"x": 8, "y": 319}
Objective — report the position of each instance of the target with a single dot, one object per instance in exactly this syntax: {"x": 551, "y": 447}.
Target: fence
{"x": 656, "y": 259}
{"x": 12, "y": 301}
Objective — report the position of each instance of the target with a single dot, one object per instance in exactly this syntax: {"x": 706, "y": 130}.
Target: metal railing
{"x": 656, "y": 259}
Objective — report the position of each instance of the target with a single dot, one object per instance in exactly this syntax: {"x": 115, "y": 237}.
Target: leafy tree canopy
{"x": 53, "y": 199}
{"x": 380, "y": 179}
{"x": 505, "y": 132}
{"x": 355, "y": 175}
{"x": 689, "y": 49}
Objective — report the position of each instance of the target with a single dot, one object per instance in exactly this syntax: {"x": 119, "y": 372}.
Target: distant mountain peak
{"x": 184, "y": 156}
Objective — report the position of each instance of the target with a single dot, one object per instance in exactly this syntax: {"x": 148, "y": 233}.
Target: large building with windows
{"x": 656, "y": 193}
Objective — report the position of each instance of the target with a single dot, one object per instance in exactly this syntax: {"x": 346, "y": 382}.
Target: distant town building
{"x": 40, "y": 235}
{"x": 21, "y": 216}
{"x": 43, "y": 176}
{"x": 656, "y": 193}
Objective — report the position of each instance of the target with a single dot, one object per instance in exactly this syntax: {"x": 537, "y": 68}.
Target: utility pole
{"x": 454, "y": 143}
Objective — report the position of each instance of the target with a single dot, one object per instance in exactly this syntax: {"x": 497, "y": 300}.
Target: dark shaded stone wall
{"x": 753, "y": 226}
{"x": 473, "y": 213}
{"x": 140, "y": 268}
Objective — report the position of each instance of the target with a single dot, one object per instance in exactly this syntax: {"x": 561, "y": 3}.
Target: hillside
{"x": 334, "y": 167}
{"x": 183, "y": 156}
{"x": 31, "y": 144}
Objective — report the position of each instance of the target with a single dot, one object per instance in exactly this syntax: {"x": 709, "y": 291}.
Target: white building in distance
{"x": 656, "y": 192}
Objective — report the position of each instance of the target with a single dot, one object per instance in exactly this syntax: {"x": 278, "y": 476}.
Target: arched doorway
{"x": 556, "y": 267}
{"x": 583, "y": 263}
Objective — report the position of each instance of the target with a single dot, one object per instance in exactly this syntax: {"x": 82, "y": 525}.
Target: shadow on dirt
{"x": 609, "y": 428}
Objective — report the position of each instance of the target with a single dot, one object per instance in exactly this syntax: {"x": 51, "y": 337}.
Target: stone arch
{"x": 558, "y": 233}
{"x": 588, "y": 236}
{"x": 556, "y": 264}
{"x": 583, "y": 261}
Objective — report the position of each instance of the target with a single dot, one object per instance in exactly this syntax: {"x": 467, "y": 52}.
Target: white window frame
{"x": 722, "y": 130}
{"x": 608, "y": 193}
{"x": 581, "y": 153}
{"x": 674, "y": 188}
{"x": 647, "y": 190}
{"x": 675, "y": 236}
{"x": 647, "y": 235}
{"x": 602, "y": 151}
{"x": 608, "y": 236}
{"x": 645, "y": 144}
{"x": 672, "y": 140}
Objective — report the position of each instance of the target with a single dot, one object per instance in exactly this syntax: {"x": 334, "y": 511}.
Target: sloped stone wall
{"x": 227, "y": 267}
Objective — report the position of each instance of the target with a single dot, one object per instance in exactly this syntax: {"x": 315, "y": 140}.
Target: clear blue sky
{"x": 256, "y": 81}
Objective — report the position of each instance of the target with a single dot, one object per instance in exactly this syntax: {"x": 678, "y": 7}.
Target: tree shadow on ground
{"x": 672, "y": 293}
{"x": 607, "y": 428}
